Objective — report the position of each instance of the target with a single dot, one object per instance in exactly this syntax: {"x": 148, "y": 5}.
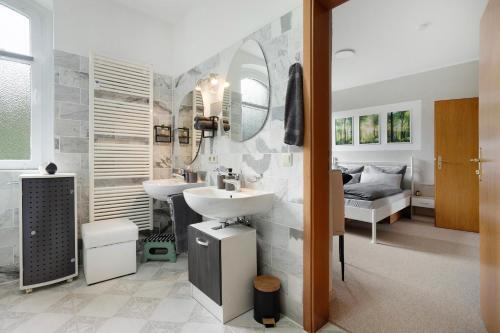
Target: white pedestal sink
{"x": 221, "y": 204}
{"x": 160, "y": 189}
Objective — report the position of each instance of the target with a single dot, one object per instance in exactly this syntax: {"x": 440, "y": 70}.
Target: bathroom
{"x": 190, "y": 68}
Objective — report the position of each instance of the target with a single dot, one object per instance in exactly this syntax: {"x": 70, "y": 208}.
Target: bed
{"x": 384, "y": 204}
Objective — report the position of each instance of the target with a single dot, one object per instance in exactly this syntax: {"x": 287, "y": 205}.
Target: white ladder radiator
{"x": 120, "y": 140}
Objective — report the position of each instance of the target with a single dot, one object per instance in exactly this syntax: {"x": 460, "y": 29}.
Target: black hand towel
{"x": 294, "y": 107}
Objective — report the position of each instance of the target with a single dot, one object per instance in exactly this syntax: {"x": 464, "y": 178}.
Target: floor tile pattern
{"x": 156, "y": 299}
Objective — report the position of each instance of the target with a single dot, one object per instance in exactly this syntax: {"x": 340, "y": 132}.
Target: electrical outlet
{"x": 286, "y": 160}
{"x": 212, "y": 159}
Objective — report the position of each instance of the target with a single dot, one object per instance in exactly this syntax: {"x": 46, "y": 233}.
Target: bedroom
{"x": 405, "y": 137}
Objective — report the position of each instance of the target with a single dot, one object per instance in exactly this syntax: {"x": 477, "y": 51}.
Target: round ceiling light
{"x": 345, "y": 54}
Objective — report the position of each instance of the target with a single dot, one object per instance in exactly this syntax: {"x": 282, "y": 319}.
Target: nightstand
{"x": 423, "y": 202}
{"x": 422, "y": 208}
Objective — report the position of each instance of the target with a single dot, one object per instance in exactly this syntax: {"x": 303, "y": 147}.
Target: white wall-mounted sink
{"x": 221, "y": 204}
{"x": 160, "y": 189}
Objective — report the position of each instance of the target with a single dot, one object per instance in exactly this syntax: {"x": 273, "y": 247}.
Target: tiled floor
{"x": 156, "y": 299}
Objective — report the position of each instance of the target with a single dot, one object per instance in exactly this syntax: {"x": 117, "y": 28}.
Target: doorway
{"x": 380, "y": 146}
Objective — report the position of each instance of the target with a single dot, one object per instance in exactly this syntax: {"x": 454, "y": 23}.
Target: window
{"x": 254, "y": 106}
{"x": 23, "y": 53}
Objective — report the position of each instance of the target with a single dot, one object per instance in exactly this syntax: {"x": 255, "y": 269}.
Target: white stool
{"x": 109, "y": 249}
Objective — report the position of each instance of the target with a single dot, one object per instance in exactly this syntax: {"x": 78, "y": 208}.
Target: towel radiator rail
{"x": 121, "y": 140}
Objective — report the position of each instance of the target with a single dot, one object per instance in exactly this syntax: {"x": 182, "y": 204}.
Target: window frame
{"x": 261, "y": 107}
{"x": 42, "y": 86}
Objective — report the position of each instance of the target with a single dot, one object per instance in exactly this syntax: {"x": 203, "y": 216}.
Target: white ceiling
{"x": 384, "y": 33}
{"x": 169, "y": 11}
{"x": 388, "y": 43}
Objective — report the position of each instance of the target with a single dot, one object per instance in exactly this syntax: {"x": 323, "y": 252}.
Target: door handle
{"x": 440, "y": 162}
{"x": 479, "y": 160}
{"x": 200, "y": 242}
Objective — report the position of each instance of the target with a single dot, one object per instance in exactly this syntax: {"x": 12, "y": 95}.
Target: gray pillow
{"x": 397, "y": 169}
{"x": 352, "y": 171}
{"x": 390, "y": 179}
{"x": 356, "y": 177}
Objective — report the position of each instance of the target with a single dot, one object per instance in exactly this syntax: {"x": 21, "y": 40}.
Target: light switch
{"x": 286, "y": 160}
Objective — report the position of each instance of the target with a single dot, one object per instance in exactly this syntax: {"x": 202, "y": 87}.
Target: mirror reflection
{"x": 246, "y": 98}
{"x": 189, "y": 138}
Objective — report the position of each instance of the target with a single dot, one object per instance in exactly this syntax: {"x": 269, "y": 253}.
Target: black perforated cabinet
{"x": 48, "y": 229}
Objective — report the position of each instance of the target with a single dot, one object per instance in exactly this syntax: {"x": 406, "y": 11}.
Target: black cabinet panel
{"x": 205, "y": 263}
{"x": 48, "y": 224}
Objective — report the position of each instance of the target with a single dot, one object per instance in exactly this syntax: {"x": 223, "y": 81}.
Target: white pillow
{"x": 391, "y": 179}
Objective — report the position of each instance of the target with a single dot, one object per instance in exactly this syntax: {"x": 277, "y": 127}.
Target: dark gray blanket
{"x": 294, "y": 107}
{"x": 369, "y": 191}
{"x": 182, "y": 217}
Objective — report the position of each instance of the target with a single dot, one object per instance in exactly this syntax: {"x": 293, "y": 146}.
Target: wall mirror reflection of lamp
{"x": 212, "y": 90}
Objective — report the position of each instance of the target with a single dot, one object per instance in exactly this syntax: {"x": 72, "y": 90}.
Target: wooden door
{"x": 456, "y": 147}
{"x": 489, "y": 125}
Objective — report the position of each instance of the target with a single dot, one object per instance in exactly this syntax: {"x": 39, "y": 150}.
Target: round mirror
{"x": 189, "y": 138}
{"x": 246, "y": 97}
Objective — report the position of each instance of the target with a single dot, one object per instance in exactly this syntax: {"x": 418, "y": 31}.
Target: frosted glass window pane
{"x": 14, "y": 31}
{"x": 15, "y": 110}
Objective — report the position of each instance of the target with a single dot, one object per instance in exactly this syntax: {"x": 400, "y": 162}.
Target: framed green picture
{"x": 369, "y": 129}
{"x": 343, "y": 131}
{"x": 399, "y": 127}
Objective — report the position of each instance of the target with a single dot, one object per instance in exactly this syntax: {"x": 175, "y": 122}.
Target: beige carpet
{"x": 419, "y": 278}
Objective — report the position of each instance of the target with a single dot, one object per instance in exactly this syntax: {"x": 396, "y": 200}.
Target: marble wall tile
{"x": 74, "y": 145}
{"x": 273, "y": 234}
{"x": 286, "y": 261}
{"x": 66, "y": 60}
{"x": 291, "y": 307}
{"x": 9, "y": 237}
{"x": 84, "y": 96}
{"x": 6, "y": 256}
{"x": 67, "y": 94}
{"x": 71, "y": 78}
{"x": 72, "y": 111}
{"x": 71, "y": 123}
{"x": 296, "y": 241}
{"x": 286, "y": 22}
{"x": 67, "y": 127}
{"x": 9, "y": 217}
{"x": 6, "y": 217}
{"x": 264, "y": 252}
{"x": 84, "y": 64}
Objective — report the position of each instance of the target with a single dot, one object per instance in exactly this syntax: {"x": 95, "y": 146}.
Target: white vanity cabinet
{"x": 222, "y": 266}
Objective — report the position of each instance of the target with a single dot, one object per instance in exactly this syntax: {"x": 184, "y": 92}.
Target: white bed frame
{"x": 375, "y": 215}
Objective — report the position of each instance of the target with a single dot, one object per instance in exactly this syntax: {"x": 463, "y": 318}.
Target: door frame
{"x": 317, "y": 114}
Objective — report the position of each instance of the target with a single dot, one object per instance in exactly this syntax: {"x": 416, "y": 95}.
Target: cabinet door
{"x": 48, "y": 223}
{"x": 205, "y": 264}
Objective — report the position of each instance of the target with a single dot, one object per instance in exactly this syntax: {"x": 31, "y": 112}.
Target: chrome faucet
{"x": 236, "y": 182}
{"x": 181, "y": 174}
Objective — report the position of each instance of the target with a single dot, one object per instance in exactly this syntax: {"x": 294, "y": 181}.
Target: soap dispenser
{"x": 230, "y": 175}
